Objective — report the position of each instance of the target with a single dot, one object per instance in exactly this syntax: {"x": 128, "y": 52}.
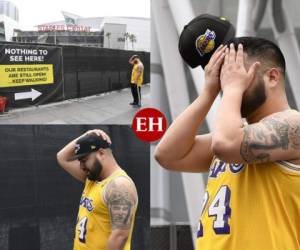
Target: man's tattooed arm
{"x": 121, "y": 202}
{"x": 271, "y": 139}
{"x": 121, "y": 199}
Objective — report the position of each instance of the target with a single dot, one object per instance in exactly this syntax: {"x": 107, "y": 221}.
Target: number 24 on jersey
{"x": 219, "y": 210}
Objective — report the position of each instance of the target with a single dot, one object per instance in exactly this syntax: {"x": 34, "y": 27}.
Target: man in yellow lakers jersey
{"x": 109, "y": 200}
{"x": 252, "y": 198}
{"x": 137, "y": 78}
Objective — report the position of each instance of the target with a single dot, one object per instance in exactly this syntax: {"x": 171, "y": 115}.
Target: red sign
{"x": 61, "y": 27}
{"x": 149, "y": 124}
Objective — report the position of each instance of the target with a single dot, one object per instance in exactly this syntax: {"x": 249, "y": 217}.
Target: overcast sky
{"x": 34, "y": 12}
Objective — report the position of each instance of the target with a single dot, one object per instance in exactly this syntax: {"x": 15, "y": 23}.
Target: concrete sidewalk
{"x": 108, "y": 108}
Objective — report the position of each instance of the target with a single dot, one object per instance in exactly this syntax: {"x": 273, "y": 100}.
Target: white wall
{"x": 9, "y": 26}
{"x": 140, "y": 27}
{"x": 117, "y": 32}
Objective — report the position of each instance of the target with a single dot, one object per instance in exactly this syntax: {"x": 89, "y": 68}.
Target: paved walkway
{"x": 108, "y": 108}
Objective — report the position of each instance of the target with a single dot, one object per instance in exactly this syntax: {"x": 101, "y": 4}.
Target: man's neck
{"x": 271, "y": 106}
{"x": 109, "y": 169}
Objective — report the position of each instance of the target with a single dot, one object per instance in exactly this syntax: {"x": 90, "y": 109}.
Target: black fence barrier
{"x": 39, "y": 200}
{"x": 169, "y": 237}
{"x": 78, "y": 72}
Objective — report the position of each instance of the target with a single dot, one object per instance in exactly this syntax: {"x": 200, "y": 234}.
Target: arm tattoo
{"x": 294, "y": 134}
{"x": 270, "y": 134}
{"x": 121, "y": 205}
{"x": 139, "y": 69}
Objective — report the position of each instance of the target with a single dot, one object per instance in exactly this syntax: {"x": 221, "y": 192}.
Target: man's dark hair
{"x": 261, "y": 49}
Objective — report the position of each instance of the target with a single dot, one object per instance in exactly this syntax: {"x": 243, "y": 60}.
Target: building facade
{"x": 129, "y": 33}
{"x": 9, "y": 18}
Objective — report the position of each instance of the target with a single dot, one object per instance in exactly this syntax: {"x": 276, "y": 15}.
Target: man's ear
{"x": 273, "y": 76}
{"x": 100, "y": 156}
{"x": 102, "y": 152}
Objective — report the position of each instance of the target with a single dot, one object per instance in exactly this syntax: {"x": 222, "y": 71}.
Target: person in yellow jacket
{"x": 109, "y": 200}
{"x": 136, "y": 81}
{"x": 252, "y": 198}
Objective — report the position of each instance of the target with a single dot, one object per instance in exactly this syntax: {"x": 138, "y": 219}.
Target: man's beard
{"x": 94, "y": 173}
{"x": 253, "y": 100}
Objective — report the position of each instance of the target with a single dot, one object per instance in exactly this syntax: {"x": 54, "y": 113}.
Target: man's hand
{"x": 233, "y": 72}
{"x": 212, "y": 70}
{"x": 98, "y": 132}
{"x": 68, "y": 152}
{"x": 132, "y": 58}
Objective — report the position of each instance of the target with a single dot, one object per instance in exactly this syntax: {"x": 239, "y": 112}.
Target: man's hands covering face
{"x": 233, "y": 73}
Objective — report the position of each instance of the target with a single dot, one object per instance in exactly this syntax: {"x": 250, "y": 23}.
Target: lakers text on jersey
{"x": 251, "y": 207}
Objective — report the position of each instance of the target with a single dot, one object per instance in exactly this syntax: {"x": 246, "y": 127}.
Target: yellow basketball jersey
{"x": 93, "y": 225}
{"x": 251, "y": 207}
{"x": 134, "y": 73}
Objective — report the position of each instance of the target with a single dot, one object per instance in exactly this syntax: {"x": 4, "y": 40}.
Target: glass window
{"x": 1, "y": 8}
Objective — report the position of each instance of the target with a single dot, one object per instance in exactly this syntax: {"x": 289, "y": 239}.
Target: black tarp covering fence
{"x": 39, "y": 200}
{"x": 77, "y": 71}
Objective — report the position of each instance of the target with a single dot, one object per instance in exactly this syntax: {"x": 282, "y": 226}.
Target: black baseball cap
{"x": 202, "y": 36}
{"x": 88, "y": 144}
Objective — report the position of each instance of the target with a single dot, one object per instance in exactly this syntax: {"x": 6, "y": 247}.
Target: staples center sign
{"x": 76, "y": 28}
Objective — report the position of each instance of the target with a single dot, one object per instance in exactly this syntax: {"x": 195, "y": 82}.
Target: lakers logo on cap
{"x": 205, "y": 43}
{"x": 77, "y": 148}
